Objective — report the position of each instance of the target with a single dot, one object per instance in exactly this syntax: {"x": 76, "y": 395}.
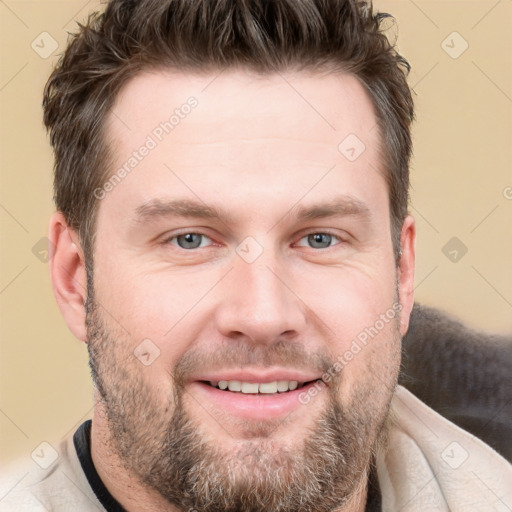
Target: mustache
{"x": 285, "y": 354}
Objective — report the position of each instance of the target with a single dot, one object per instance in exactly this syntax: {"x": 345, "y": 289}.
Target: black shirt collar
{"x": 82, "y": 442}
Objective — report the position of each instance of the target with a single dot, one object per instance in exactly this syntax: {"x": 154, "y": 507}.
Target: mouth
{"x": 257, "y": 400}
{"x": 258, "y": 388}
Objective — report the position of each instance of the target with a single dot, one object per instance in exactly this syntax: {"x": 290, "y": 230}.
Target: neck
{"x": 125, "y": 487}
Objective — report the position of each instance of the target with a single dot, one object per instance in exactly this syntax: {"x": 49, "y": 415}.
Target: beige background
{"x": 462, "y": 187}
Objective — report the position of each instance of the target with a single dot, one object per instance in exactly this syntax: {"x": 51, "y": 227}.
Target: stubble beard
{"x": 163, "y": 446}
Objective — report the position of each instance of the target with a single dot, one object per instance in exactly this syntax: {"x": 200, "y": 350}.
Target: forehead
{"x": 266, "y": 136}
{"x": 326, "y": 105}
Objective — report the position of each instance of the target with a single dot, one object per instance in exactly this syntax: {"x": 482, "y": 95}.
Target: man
{"x": 232, "y": 243}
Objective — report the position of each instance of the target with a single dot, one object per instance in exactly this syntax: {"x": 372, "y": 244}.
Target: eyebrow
{"x": 340, "y": 206}
{"x": 180, "y": 208}
{"x": 158, "y": 208}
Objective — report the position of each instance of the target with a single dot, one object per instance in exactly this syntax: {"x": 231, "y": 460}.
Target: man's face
{"x": 246, "y": 246}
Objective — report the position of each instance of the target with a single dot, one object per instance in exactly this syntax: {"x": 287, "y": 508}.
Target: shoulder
{"x": 56, "y": 482}
{"x": 429, "y": 463}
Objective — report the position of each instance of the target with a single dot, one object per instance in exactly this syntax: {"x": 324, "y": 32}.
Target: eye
{"x": 190, "y": 240}
{"x": 319, "y": 240}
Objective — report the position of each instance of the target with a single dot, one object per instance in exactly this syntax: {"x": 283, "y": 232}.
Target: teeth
{"x": 282, "y": 385}
{"x": 250, "y": 387}
{"x": 268, "y": 388}
{"x": 234, "y": 385}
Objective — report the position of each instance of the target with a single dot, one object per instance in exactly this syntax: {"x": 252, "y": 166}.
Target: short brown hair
{"x": 262, "y": 35}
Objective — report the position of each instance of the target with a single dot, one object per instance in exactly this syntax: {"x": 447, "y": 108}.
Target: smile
{"x": 261, "y": 400}
{"x": 268, "y": 388}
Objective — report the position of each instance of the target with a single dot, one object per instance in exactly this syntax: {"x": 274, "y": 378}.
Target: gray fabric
{"x": 464, "y": 375}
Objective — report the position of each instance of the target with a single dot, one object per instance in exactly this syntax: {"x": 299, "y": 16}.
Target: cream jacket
{"x": 429, "y": 464}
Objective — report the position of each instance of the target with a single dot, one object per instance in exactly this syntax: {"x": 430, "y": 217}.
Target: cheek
{"x": 159, "y": 315}
{"x": 359, "y": 313}
{"x": 370, "y": 358}
{"x": 350, "y": 299}
{"x": 148, "y": 302}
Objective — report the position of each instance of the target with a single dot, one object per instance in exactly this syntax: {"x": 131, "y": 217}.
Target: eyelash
{"x": 322, "y": 232}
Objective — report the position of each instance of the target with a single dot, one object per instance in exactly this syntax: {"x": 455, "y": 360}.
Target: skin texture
{"x": 255, "y": 148}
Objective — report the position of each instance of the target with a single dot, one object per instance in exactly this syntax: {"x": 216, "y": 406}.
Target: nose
{"x": 258, "y": 303}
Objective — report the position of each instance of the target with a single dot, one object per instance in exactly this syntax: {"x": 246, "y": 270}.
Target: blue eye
{"x": 320, "y": 240}
{"x": 190, "y": 240}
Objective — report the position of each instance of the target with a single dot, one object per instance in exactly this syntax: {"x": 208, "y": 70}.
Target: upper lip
{"x": 258, "y": 376}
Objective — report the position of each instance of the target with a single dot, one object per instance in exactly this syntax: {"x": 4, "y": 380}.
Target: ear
{"x": 67, "y": 273}
{"x": 406, "y": 272}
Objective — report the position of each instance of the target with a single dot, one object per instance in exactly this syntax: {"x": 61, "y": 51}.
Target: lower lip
{"x": 258, "y": 407}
